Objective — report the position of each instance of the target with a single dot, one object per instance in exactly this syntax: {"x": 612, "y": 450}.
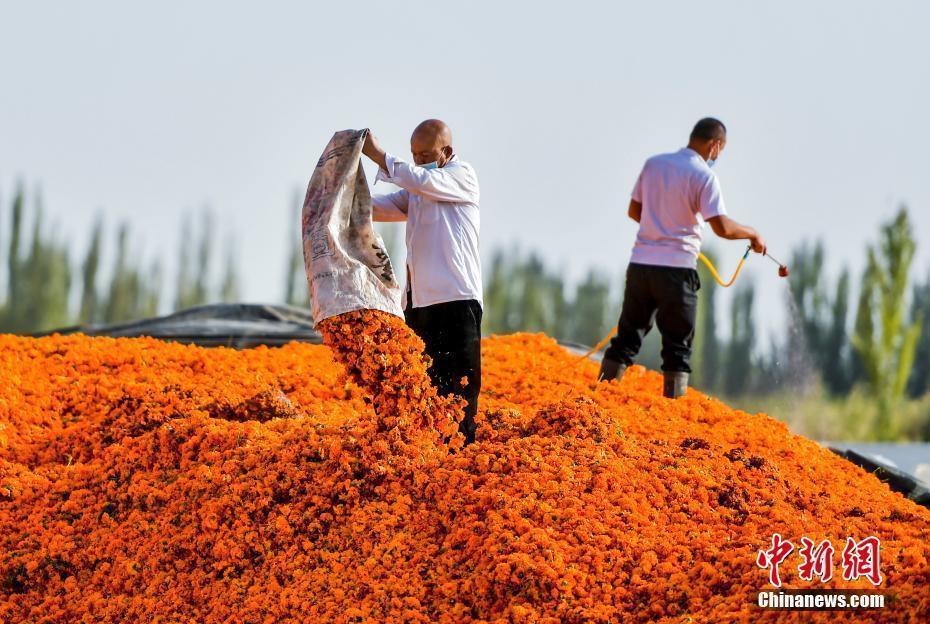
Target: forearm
{"x": 445, "y": 185}
{"x": 390, "y": 207}
{"x": 738, "y": 231}
{"x": 385, "y": 215}
{"x": 635, "y": 211}
{"x": 727, "y": 228}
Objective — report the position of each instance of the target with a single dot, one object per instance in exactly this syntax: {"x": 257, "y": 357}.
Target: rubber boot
{"x": 676, "y": 384}
{"x": 468, "y": 428}
{"x": 611, "y": 369}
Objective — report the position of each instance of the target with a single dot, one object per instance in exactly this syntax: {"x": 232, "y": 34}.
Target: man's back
{"x": 678, "y": 191}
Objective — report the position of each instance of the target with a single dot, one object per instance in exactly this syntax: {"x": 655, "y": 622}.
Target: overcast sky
{"x": 143, "y": 113}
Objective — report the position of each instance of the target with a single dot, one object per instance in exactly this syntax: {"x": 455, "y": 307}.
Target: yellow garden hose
{"x": 598, "y": 346}
{"x": 717, "y": 278}
{"x": 713, "y": 270}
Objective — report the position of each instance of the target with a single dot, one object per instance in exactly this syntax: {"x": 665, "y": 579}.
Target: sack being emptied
{"x": 347, "y": 265}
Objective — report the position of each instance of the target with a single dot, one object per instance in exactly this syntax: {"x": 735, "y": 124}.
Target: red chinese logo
{"x": 817, "y": 560}
{"x": 859, "y": 559}
{"x": 773, "y": 557}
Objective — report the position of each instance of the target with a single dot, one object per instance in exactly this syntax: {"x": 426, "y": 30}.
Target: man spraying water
{"x": 674, "y": 194}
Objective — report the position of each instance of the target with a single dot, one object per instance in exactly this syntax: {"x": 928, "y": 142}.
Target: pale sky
{"x": 142, "y": 113}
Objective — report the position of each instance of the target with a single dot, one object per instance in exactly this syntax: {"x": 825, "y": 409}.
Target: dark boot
{"x": 468, "y": 427}
{"x": 611, "y": 369}
{"x": 676, "y": 384}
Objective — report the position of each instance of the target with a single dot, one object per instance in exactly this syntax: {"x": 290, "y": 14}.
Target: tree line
{"x": 48, "y": 286}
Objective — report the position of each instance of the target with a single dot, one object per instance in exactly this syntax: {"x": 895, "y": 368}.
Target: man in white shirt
{"x": 438, "y": 198}
{"x": 673, "y": 197}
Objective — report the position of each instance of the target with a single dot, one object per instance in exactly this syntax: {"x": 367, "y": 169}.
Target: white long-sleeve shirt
{"x": 440, "y": 207}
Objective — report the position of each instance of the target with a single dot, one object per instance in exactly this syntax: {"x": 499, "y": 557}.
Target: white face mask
{"x": 712, "y": 161}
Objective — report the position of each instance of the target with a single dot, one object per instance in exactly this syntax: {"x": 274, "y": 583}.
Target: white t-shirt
{"x": 678, "y": 192}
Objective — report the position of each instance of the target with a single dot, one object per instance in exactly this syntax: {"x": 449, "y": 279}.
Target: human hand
{"x": 372, "y": 147}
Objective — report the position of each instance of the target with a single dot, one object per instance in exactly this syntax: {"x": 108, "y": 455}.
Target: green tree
{"x": 193, "y": 282}
{"x": 885, "y": 343}
{"x": 499, "y": 296}
{"x": 229, "y": 288}
{"x": 837, "y": 375}
{"x": 185, "y": 296}
{"x": 132, "y": 293}
{"x": 739, "y": 349}
{"x": 202, "y": 291}
{"x": 14, "y": 264}
{"x": 89, "y": 301}
{"x": 591, "y": 310}
{"x": 534, "y": 296}
{"x": 38, "y": 285}
{"x": 919, "y": 382}
{"x": 560, "y": 315}
{"x": 705, "y": 362}
{"x": 123, "y": 291}
{"x": 296, "y": 289}
{"x": 151, "y": 293}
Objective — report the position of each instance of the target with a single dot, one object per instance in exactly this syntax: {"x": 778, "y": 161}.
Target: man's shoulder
{"x": 684, "y": 161}
{"x": 459, "y": 163}
{"x": 461, "y": 167}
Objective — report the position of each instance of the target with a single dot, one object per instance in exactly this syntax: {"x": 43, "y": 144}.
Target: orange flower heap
{"x": 148, "y": 481}
{"x": 382, "y": 355}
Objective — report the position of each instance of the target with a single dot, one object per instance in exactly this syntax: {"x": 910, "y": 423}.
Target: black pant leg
{"x": 676, "y": 317}
{"x": 452, "y": 335}
{"x": 636, "y": 315}
{"x": 469, "y": 365}
{"x": 414, "y": 319}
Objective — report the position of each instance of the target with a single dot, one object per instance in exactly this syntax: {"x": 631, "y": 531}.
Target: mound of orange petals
{"x": 385, "y": 358}
{"x": 143, "y": 481}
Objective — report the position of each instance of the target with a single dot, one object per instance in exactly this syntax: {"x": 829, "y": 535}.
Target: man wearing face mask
{"x": 438, "y": 199}
{"x": 674, "y": 195}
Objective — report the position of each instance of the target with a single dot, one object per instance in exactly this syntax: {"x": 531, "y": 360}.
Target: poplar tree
{"x": 229, "y": 287}
{"x": 591, "y": 310}
{"x": 89, "y": 311}
{"x": 885, "y": 343}
{"x": 919, "y": 381}
{"x": 705, "y": 361}
{"x": 739, "y": 349}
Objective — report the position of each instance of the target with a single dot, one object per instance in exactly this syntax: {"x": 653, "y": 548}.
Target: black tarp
{"x": 235, "y": 325}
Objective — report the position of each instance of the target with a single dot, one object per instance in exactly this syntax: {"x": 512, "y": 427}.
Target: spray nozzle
{"x": 782, "y": 268}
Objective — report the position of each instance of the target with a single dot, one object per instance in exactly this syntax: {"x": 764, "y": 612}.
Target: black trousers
{"x": 452, "y": 334}
{"x": 666, "y": 296}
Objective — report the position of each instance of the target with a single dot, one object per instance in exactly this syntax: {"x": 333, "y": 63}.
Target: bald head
{"x": 431, "y": 141}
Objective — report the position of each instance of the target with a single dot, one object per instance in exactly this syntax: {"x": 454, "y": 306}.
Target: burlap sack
{"x": 347, "y": 266}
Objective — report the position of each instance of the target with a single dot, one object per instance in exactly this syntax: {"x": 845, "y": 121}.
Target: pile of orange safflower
{"x": 386, "y": 359}
{"x": 143, "y": 481}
